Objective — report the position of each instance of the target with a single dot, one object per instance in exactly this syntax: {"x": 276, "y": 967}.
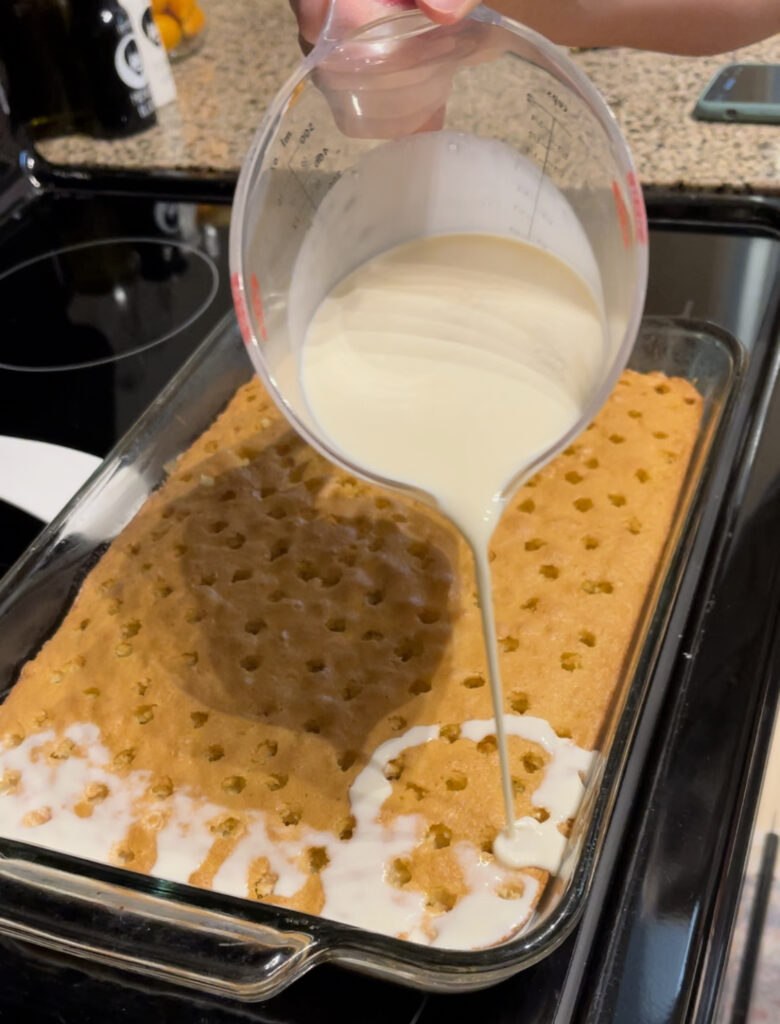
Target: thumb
{"x": 310, "y": 15}
{"x": 447, "y": 12}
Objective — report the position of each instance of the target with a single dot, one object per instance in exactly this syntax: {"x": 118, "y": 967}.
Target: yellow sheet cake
{"x": 266, "y": 623}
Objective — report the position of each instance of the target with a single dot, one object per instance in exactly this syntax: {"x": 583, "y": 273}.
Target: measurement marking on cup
{"x": 542, "y": 174}
{"x": 299, "y": 183}
{"x": 532, "y": 99}
{"x": 303, "y": 161}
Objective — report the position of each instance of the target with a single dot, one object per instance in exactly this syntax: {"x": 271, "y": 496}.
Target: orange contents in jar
{"x": 177, "y": 20}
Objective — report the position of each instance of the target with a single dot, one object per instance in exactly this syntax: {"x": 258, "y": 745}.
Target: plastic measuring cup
{"x": 406, "y": 129}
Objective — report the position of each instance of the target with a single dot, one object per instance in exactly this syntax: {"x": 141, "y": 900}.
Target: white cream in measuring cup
{"x": 434, "y": 364}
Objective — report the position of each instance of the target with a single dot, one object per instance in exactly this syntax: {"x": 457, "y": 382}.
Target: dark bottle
{"x": 41, "y": 68}
{"x": 112, "y": 69}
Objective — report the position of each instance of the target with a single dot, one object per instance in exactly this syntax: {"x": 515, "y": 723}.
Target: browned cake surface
{"x": 265, "y": 622}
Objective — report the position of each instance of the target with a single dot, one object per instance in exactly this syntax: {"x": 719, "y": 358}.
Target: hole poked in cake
{"x": 262, "y": 880}
{"x": 429, "y": 616}
{"x": 519, "y": 702}
{"x": 439, "y": 836}
{"x": 290, "y": 815}
{"x": 266, "y": 749}
{"x": 440, "y": 900}
{"x": 318, "y": 859}
{"x": 474, "y": 682}
{"x": 456, "y": 782}
{"x": 597, "y": 587}
{"x": 9, "y": 781}
{"x": 513, "y": 890}
{"x": 416, "y": 790}
{"x": 409, "y": 647}
{"x": 346, "y": 760}
{"x": 346, "y": 828}
{"x": 373, "y": 634}
{"x": 398, "y": 872}
{"x": 394, "y": 769}
{"x": 227, "y": 827}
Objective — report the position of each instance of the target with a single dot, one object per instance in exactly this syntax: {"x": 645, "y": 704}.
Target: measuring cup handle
{"x": 345, "y": 16}
{"x": 336, "y": 24}
{"x": 383, "y": 83}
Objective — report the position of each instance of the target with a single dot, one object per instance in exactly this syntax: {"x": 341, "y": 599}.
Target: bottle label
{"x": 149, "y": 27}
{"x": 128, "y": 63}
{"x": 143, "y": 102}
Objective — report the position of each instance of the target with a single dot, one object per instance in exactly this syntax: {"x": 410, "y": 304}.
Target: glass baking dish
{"x": 241, "y": 948}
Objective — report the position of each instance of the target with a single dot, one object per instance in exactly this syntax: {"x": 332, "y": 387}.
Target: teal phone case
{"x": 725, "y": 110}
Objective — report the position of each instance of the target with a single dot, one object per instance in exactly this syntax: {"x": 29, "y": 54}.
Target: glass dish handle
{"x": 184, "y": 943}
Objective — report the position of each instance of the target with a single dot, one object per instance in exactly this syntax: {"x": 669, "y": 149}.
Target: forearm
{"x": 671, "y": 26}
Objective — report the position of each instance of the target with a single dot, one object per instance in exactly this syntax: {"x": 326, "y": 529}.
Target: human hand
{"x": 669, "y": 26}
{"x": 312, "y": 14}
{"x": 378, "y": 86}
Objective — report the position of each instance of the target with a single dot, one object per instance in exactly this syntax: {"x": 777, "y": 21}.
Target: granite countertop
{"x": 251, "y": 46}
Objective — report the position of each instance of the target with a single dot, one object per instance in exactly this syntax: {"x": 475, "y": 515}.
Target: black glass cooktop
{"x": 98, "y": 302}
{"x": 105, "y": 298}
{"x": 102, "y": 300}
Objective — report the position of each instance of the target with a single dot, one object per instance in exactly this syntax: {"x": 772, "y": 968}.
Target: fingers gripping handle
{"x": 345, "y": 16}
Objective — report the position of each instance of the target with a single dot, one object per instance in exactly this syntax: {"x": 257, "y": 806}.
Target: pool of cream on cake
{"x": 40, "y": 794}
{"x": 450, "y": 364}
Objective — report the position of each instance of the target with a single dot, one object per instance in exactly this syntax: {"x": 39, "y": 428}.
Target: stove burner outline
{"x": 205, "y": 259}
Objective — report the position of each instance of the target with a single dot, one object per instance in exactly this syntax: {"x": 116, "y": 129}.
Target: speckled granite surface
{"x": 652, "y": 96}
{"x": 252, "y": 46}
